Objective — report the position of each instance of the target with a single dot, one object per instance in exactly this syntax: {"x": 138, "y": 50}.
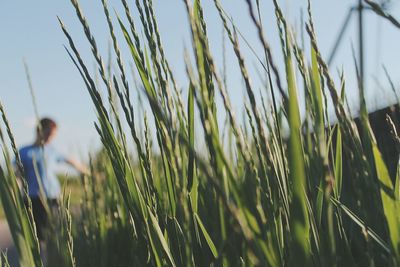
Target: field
{"x": 276, "y": 189}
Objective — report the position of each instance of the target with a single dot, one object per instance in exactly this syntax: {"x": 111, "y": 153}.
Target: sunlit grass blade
{"x": 161, "y": 245}
{"x": 299, "y": 222}
{"x": 207, "y": 237}
{"x": 390, "y": 204}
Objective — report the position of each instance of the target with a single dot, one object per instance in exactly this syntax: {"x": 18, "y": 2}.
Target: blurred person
{"x": 39, "y": 161}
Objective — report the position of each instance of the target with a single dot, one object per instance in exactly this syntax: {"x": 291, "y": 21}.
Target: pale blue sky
{"x": 29, "y": 30}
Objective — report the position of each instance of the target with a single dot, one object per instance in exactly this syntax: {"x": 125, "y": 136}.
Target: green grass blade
{"x": 207, "y": 236}
{"x": 391, "y": 206}
{"x": 338, "y": 164}
{"x": 156, "y": 230}
{"x": 299, "y": 222}
{"x": 191, "y": 136}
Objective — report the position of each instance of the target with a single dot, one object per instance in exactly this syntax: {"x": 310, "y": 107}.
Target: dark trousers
{"x": 40, "y": 215}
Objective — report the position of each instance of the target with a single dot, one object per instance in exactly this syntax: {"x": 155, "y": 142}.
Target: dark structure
{"x": 385, "y": 132}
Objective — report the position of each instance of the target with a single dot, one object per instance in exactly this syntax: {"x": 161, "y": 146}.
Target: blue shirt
{"x": 38, "y": 161}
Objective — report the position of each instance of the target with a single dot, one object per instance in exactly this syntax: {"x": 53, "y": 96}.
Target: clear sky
{"x": 29, "y": 29}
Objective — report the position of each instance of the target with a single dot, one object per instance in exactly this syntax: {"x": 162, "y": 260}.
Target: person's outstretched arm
{"x": 78, "y": 166}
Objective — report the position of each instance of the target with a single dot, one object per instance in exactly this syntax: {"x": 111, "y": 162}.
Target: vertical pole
{"x": 361, "y": 42}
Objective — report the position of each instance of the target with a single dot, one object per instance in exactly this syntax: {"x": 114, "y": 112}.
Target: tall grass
{"x": 322, "y": 196}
